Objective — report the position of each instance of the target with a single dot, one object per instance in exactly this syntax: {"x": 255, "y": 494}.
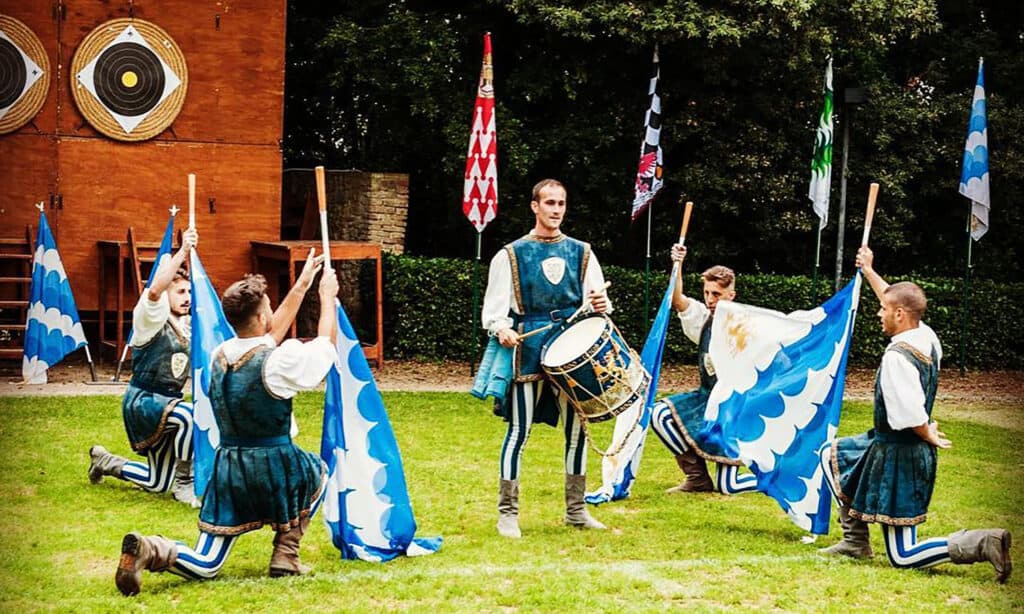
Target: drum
{"x": 591, "y": 364}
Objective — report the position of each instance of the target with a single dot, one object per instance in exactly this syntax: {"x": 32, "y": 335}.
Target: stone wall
{"x": 368, "y": 207}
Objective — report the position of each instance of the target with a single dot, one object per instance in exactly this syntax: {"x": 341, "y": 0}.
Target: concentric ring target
{"x": 24, "y": 74}
{"x": 130, "y": 79}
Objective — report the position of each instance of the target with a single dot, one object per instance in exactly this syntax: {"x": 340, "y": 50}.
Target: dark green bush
{"x": 428, "y": 312}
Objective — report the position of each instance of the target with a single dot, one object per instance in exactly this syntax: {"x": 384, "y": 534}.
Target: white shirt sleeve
{"x": 499, "y": 296}
{"x": 593, "y": 279}
{"x": 902, "y": 392}
{"x": 693, "y": 318}
{"x": 149, "y": 317}
{"x": 295, "y": 366}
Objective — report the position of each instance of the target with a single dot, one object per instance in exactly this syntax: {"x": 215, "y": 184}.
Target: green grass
{"x": 60, "y": 536}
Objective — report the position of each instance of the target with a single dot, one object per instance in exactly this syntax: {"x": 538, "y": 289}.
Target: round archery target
{"x": 24, "y": 74}
{"x": 130, "y": 79}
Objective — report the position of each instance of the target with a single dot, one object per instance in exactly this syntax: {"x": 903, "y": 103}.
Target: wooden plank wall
{"x": 227, "y": 133}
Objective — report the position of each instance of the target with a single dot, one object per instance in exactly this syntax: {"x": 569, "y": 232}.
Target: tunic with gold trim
{"x": 259, "y": 475}
{"x": 887, "y": 475}
{"x": 160, "y": 368}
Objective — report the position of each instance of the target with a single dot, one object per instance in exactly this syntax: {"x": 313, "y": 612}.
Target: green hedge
{"x": 428, "y": 312}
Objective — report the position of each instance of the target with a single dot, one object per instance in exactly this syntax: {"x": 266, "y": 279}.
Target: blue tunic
{"x": 887, "y": 476}
{"x": 688, "y": 407}
{"x": 160, "y": 368}
{"x": 259, "y": 476}
{"x": 547, "y": 278}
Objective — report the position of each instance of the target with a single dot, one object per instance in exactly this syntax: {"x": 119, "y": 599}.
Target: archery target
{"x": 130, "y": 78}
{"x": 24, "y": 74}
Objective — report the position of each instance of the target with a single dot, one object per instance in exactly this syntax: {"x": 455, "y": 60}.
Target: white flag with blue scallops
{"x": 209, "y": 329}
{"x": 974, "y": 177}
{"x": 779, "y": 395}
{"x": 366, "y": 507}
{"x": 619, "y": 470}
{"x": 52, "y": 328}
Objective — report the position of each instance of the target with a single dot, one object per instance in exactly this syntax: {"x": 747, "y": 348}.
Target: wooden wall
{"x": 227, "y": 132}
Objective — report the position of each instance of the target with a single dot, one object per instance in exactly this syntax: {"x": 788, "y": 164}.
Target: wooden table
{"x": 293, "y": 252}
{"x": 118, "y": 252}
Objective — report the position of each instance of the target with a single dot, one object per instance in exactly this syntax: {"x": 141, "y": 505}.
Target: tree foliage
{"x": 389, "y": 86}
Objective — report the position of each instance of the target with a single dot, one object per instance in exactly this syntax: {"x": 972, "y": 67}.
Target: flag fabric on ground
{"x": 480, "y": 190}
{"x": 821, "y": 163}
{"x": 649, "y": 172}
{"x": 366, "y": 507}
{"x": 779, "y": 395}
{"x": 974, "y": 178}
{"x": 619, "y": 471}
{"x": 52, "y": 326}
{"x": 209, "y": 329}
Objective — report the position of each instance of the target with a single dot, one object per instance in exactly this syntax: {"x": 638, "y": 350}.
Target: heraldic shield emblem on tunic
{"x": 179, "y": 362}
{"x": 554, "y": 269}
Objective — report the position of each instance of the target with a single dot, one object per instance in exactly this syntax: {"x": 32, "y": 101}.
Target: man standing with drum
{"x": 678, "y": 419}
{"x": 540, "y": 279}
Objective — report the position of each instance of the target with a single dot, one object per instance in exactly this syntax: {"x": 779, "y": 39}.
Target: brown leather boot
{"x": 154, "y": 553}
{"x": 980, "y": 545}
{"x": 576, "y": 514}
{"x": 508, "y": 509}
{"x": 856, "y": 542}
{"x": 102, "y": 462}
{"x": 696, "y": 470}
{"x": 285, "y": 559}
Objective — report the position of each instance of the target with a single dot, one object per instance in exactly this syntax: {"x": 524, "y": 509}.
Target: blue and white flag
{"x": 974, "y": 178}
{"x": 779, "y": 396}
{"x": 52, "y": 327}
{"x": 618, "y": 471}
{"x": 209, "y": 329}
{"x": 162, "y": 254}
{"x": 366, "y": 507}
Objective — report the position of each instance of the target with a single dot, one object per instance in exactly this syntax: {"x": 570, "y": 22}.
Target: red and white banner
{"x": 480, "y": 190}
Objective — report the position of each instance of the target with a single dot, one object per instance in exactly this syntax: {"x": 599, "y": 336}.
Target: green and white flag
{"x": 821, "y": 165}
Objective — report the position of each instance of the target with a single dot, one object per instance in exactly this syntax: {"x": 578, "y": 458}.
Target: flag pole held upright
{"x": 321, "y": 199}
{"x": 869, "y": 215}
{"x": 192, "y": 201}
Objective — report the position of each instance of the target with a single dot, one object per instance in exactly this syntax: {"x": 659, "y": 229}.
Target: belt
{"x": 154, "y": 390}
{"x": 555, "y": 315}
{"x": 254, "y": 442}
{"x": 902, "y": 436}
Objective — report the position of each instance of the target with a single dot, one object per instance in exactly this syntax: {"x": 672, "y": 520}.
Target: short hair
{"x": 242, "y": 299}
{"x": 545, "y": 183}
{"x": 719, "y": 274}
{"x": 909, "y": 296}
{"x": 181, "y": 273}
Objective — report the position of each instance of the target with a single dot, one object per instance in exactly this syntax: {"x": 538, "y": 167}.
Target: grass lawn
{"x": 60, "y": 536}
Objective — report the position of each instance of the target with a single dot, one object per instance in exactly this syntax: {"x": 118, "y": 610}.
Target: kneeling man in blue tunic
{"x": 887, "y": 474}
{"x": 678, "y": 419}
{"x": 534, "y": 283}
{"x": 158, "y": 422}
{"x": 260, "y": 477}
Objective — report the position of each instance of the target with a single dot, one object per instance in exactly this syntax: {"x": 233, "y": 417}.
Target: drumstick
{"x": 573, "y": 316}
{"x": 321, "y": 198}
{"x": 872, "y": 196}
{"x": 192, "y": 201}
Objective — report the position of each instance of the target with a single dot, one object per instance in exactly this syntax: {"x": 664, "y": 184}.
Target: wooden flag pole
{"x": 192, "y": 201}
{"x": 870, "y": 213}
{"x": 321, "y": 199}
{"x": 686, "y": 222}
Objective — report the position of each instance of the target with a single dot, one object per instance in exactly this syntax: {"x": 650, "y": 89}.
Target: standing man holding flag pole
{"x": 974, "y": 185}
{"x": 480, "y": 184}
{"x": 821, "y": 170}
{"x": 649, "y": 172}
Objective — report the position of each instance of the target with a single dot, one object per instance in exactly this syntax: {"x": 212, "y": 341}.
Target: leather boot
{"x": 102, "y": 462}
{"x": 154, "y": 553}
{"x": 856, "y": 542}
{"x": 508, "y": 509}
{"x": 182, "y": 489}
{"x": 576, "y": 514}
{"x": 285, "y": 559}
{"x": 696, "y": 470}
{"x": 979, "y": 545}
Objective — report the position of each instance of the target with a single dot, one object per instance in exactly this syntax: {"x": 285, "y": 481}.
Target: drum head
{"x": 572, "y": 342}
